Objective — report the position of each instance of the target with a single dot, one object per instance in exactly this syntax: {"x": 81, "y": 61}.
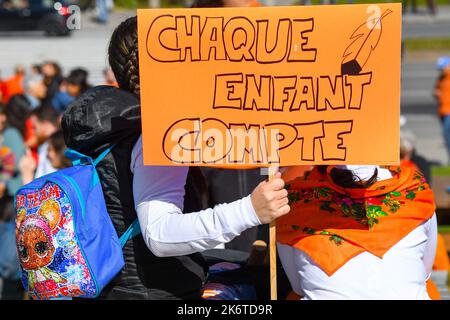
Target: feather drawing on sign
{"x": 364, "y": 41}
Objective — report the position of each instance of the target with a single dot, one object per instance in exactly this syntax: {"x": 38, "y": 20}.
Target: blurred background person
{"x": 55, "y": 155}
{"x": 52, "y": 73}
{"x": 36, "y": 70}
{"x": 77, "y": 82}
{"x": 438, "y": 283}
{"x": 71, "y": 88}
{"x": 103, "y": 8}
{"x": 442, "y": 94}
{"x": 55, "y": 151}
{"x": 227, "y": 185}
{"x": 1, "y": 87}
{"x": 110, "y": 79}
{"x": 45, "y": 121}
{"x": 431, "y": 6}
{"x": 21, "y": 105}
{"x": 11, "y": 150}
{"x": 18, "y": 110}
{"x": 35, "y": 90}
{"x": 405, "y": 5}
{"x": 409, "y": 158}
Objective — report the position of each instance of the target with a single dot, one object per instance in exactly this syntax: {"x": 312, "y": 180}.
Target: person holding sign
{"x": 359, "y": 232}
{"x": 164, "y": 261}
{"x": 218, "y": 179}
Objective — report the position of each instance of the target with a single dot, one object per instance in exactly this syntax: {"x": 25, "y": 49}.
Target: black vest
{"x": 105, "y": 116}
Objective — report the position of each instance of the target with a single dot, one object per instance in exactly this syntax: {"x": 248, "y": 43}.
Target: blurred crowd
{"x": 442, "y": 95}
{"x": 31, "y": 143}
{"x": 32, "y": 102}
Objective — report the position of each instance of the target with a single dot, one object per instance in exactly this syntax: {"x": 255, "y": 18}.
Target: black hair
{"x": 38, "y": 68}
{"x": 124, "y": 61}
{"x": 79, "y": 78}
{"x": 56, "y": 140}
{"x": 55, "y": 65}
{"x": 46, "y": 113}
{"x": 123, "y": 56}
{"x": 346, "y": 179}
{"x": 17, "y": 111}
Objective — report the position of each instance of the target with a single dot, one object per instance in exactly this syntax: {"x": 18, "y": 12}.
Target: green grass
{"x": 134, "y": 4}
{"x": 427, "y": 44}
{"x": 420, "y": 44}
{"x": 444, "y": 229}
{"x": 440, "y": 171}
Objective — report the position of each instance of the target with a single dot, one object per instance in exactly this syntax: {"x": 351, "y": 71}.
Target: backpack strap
{"x": 133, "y": 230}
{"x": 103, "y": 155}
{"x": 79, "y": 158}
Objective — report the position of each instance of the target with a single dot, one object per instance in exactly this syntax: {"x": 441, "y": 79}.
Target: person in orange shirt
{"x": 13, "y": 85}
{"x": 441, "y": 268}
{"x": 442, "y": 94}
{"x": 406, "y": 152}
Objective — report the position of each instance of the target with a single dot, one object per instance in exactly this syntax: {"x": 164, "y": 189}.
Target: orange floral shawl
{"x": 332, "y": 224}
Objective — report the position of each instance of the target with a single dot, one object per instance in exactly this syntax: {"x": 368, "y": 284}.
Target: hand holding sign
{"x": 270, "y": 86}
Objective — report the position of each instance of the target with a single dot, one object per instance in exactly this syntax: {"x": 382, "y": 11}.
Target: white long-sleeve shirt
{"x": 401, "y": 274}
{"x": 159, "y": 194}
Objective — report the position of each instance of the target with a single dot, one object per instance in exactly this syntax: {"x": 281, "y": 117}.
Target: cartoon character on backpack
{"x": 35, "y": 247}
{"x": 66, "y": 242}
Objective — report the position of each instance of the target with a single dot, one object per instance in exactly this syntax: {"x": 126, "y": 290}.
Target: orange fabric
{"x": 255, "y": 3}
{"x": 441, "y": 260}
{"x": 432, "y": 290}
{"x": 12, "y": 87}
{"x": 443, "y": 93}
{"x": 29, "y": 129}
{"x": 408, "y": 164}
{"x": 332, "y": 224}
{"x": 112, "y": 84}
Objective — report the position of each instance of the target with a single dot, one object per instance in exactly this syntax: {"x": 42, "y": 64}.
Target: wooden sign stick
{"x": 273, "y": 248}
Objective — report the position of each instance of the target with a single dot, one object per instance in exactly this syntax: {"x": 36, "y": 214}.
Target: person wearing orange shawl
{"x": 13, "y": 85}
{"x": 358, "y": 232}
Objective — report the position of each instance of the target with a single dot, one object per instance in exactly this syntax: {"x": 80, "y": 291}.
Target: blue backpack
{"x": 66, "y": 242}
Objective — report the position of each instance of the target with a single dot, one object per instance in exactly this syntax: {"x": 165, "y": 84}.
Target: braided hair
{"x": 346, "y": 179}
{"x": 123, "y": 55}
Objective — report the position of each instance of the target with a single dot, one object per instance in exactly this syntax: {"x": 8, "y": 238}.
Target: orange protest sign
{"x": 270, "y": 86}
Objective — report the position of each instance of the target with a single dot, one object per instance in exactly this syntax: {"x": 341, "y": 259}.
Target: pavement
{"x": 86, "y": 47}
{"x": 424, "y": 17}
{"x": 418, "y": 79}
